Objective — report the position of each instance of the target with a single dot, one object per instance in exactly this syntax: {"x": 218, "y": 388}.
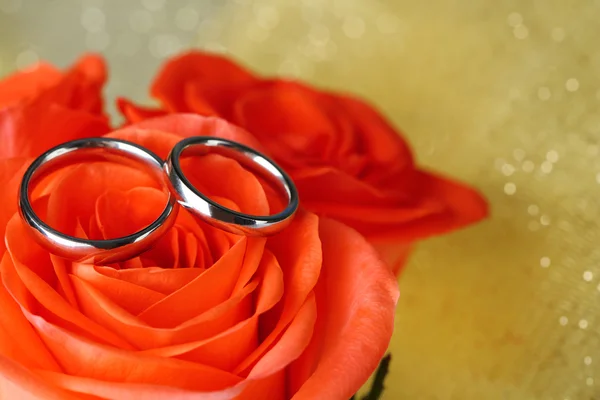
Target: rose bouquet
{"x": 205, "y": 314}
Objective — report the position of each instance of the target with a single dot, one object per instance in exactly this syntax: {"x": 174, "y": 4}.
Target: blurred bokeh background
{"x": 503, "y": 94}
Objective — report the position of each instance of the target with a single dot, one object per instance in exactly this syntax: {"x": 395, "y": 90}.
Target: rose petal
{"x": 64, "y": 287}
{"x": 215, "y": 285}
{"x": 69, "y": 107}
{"x": 17, "y": 339}
{"x": 25, "y": 84}
{"x": 85, "y": 358}
{"x": 220, "y": 318}
{"x": 11, "y": 173}
{"x": 197, "y": 339}
{"x": 122, "y": 213}
{"x": 196, "y": 98}
{"x": 244, "y": 188}
{"x": 395, "y": 254}
{"x": 127, "y": 391}
{"x": 160, "y": 134}
{"x": 193, "y": 67}
{"x": 458, "y": 205}
{"x": 29, "y": 130}
{"x": 213, "y": 242}
{"x": 356, "y": 301}
{"x": 33, "y": 292}
{"x": 231, "y": 346}
{"x": 274, "y": 385}
{"x": 81, "y": 86}
{"x": 206, "y": 175}
{"x": 266, "y": 376}
{"x": 388, "y": 153}
{"x": 212, "y": 322}
{"x": 117, "y": 213}
{"x": 160, "y": 280}
{"x": 291, "y": 344}
{"x": 129, "y": 296}
{"x": 156, "y": 140}
{"x": 76, "y": 195}
{"x": 18, "y": 382}
{"x": 298, "y": 250}
{"x": 321, "y": 185}
{"x": 435, "y": 204}
{"x": 290, "y": 121}
{"x": 134, "y": 113}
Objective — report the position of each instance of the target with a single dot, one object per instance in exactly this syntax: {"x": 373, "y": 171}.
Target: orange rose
{"x": 305, "y": 314}
{"x": 40, "y": 108}
{"x": 346, "y": 160}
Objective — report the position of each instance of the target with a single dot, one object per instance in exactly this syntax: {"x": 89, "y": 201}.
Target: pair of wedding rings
{"x": 180, "y": 193}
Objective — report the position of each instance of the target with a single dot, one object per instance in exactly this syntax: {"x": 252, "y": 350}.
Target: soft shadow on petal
{"x": 356, "y": 300}
{"x": 298, "y": 251}
{"x": 269, "y": 374}
{"x": 292, "y": 342}
{"x": 63, "y": 284}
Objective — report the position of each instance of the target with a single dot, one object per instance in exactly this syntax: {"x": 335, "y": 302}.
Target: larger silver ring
{"x": 94, "y": 251}
{"x": 217, "y": 215}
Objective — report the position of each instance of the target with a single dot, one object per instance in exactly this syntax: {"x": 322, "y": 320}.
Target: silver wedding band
{"x": 214, "y": 213}
{"x": 172, "y": 179}
{"x": 86, "y": 250}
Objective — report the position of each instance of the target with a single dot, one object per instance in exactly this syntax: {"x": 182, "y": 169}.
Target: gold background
{"x": 503, "y": 94}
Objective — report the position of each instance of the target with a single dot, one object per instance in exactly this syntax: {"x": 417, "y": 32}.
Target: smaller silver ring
{"x": 84, "y": 250}
{"x": 216, "y": 214}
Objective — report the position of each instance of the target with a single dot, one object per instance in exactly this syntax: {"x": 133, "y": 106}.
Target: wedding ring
{"x": 84, "y": 250}
{"x": 216, "y": 214}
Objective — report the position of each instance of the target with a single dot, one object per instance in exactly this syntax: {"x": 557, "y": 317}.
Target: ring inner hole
{"x": 233, "y": 180}
{"x": 90, "y": 193}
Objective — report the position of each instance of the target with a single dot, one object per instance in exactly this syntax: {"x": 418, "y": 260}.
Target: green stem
{"x": 378, "y": 382}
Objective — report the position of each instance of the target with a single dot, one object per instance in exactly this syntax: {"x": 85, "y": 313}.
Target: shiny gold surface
{"x": 502, "y": 94}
